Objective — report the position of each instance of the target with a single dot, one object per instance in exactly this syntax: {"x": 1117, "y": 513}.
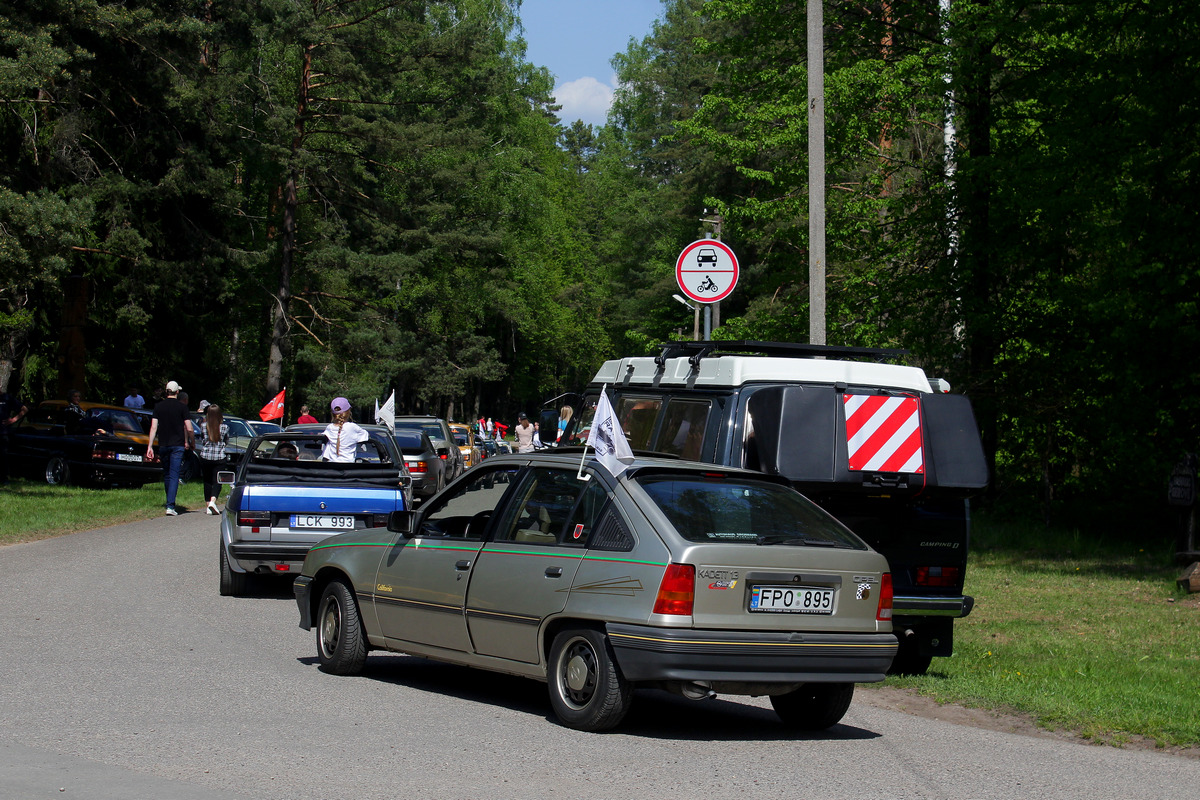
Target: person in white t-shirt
{"x": 343, "y": 436}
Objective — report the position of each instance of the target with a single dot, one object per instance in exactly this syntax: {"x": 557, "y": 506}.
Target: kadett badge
{"x": 723, "y": 584}
{"x": 575, "y": 534}
{"x": 864, "y": 591}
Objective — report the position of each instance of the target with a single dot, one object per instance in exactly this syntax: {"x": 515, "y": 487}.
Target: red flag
{"x": 273, "y": 409}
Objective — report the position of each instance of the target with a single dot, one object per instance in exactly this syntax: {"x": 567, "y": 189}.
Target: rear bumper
{"x": 250, "y": 556}
{"x": 663, "y": 654}
{"x": 115, "y": 471}
{"x": 926, "y": 606}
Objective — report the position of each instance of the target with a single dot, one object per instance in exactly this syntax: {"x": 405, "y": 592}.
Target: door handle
{"x": 462, "y": 565}
{"x": 553, "y": 572}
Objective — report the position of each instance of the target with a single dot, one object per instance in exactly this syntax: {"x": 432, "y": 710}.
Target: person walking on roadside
{"x": 11, "y": 412}
{"x": 214, "y": 436}
{"x": 524, "y": 433}
{"x": 343, "y": 435}
{"x": 305, "y": 418}
{"x": 171, "y": 424}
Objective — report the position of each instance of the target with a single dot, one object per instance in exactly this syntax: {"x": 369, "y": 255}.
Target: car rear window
{"x": 411, "y": 443}
{"x": 723, "y": 508}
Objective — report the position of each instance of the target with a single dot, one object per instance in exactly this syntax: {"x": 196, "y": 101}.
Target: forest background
{"x": 346, "y": 198}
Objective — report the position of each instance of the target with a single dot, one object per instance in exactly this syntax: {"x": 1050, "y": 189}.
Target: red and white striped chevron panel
{"x": 883, "y": 434}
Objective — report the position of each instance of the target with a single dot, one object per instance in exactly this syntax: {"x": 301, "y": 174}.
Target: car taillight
{"x": 103, "y": 455}
{"x": 937, "y": 576}
{"x": 677, "y": 591}
{"x": 379, "y": 520}
{"x": 418, "y": 466}
{"x": 884, "y": 612}
{"x": 444, "y": 456}
{"x": 254, "y": 519}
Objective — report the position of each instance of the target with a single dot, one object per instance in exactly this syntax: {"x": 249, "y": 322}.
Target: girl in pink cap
{"x": 342, "y": 435}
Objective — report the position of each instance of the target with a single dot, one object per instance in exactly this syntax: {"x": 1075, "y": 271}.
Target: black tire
{"x": 233, "y": 584}
{"x": 814, "y": 706}
{"x": 587, "y": 690}
{"x": 341, "y": 642}
{"x": 189, "y": 467}
{"x": 58, "y": 472}
{"x": 908, "y": 660}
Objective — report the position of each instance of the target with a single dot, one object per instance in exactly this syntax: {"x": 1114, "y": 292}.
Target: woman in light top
{"x": 342, "y": 435}
{"x": 214, "y": 437}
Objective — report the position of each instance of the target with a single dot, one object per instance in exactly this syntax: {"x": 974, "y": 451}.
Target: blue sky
{"x": 576, "y": 39}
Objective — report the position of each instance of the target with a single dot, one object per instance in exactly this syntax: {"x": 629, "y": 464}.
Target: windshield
{"x": 238, "y": 427}
{"x": 736, "y": 510}
{"x": 290, "y": 447}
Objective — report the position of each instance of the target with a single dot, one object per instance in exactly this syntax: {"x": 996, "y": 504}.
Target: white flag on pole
{"x": 386, "y": 414}
{"x": 607, "y": 438}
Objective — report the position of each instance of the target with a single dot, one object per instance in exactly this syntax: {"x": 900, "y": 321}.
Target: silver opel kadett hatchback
{"x": 675, "y": 575}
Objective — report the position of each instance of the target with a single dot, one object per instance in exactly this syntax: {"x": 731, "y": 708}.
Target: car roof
{"x": 570, "y": 457}
{"x": 411, "y": 433}
{"x": 725, "y": 371}
{"x": 86, "y": 405}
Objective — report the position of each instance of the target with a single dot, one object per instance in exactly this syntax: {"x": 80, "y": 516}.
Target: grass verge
{"x": 1084, "y": 635}
{"x": 33, "y": 510}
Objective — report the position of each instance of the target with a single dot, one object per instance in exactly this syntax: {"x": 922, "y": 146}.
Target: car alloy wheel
{"x": 341, "y": 643}
{"x": 587, "y": 690}
{"x": 58, "y": 473}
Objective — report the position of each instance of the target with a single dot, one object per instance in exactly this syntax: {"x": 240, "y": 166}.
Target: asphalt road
{"x": 123, "y": 674}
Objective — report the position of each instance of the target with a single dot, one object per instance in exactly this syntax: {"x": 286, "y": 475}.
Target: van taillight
{"x": 884, "y": 612}
{"x": 937, "y": 576}
{"x": 677, "y": 592}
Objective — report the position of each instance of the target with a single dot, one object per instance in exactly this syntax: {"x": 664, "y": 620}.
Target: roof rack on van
{"x": 695, "y": 351}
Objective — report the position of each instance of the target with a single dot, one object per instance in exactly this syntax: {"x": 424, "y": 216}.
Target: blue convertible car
{"x": 284, "y": 499}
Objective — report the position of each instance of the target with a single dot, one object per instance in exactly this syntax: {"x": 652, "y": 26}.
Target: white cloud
{"x": 586, "y": 98}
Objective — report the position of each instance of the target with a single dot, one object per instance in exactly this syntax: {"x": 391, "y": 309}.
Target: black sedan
{"x": 427, "y": 468}
{"x": 102, "y": 448}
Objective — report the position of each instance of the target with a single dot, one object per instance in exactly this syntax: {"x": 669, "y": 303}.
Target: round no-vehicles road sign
{"x": 707, "y": 271}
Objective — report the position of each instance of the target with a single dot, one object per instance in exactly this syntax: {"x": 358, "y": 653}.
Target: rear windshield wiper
{"x": 795, "y": 541}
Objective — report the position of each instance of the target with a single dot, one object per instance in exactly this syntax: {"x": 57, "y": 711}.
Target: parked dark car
{"x": 58, "y": 445}
{"x": 240, "y": 434}
{"x": 442, "y": 437}
{"x": 426, "y": 467}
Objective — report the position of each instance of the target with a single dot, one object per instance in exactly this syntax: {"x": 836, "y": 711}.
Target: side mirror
{"x": 225, "y": 478}
{"x": 401, "y": 522}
